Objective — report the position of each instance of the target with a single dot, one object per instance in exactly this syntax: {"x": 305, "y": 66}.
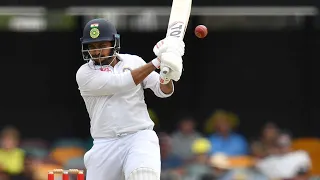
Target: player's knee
{"x": 143, "y": 174}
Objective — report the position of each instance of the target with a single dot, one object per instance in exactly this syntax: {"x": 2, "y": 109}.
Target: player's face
{"x": 100, "y": 50}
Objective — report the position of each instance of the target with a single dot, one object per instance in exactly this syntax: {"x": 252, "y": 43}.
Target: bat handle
{"x": 165, "y": 70}
{"x": 163, "y": 75}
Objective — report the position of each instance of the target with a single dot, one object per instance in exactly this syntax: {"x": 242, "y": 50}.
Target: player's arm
{"x": 97, "y": 83}
{"x": 142, "y": 72}
{"x": 160, "y": 90}
{"x": 152, "y": 81}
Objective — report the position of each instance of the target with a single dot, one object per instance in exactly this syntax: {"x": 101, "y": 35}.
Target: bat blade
{"x": 179, "y": 18}
{"x": 178, "y": 23}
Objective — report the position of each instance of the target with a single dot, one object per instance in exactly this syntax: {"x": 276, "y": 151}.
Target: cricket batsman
{"x": 112, "y": 86}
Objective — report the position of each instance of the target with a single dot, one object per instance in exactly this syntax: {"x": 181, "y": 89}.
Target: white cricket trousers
{"x": 116, "y": 158}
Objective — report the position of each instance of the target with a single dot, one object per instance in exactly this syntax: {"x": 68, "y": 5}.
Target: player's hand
{"x": 173, "y": 61}
{"x": 169, "y": 44}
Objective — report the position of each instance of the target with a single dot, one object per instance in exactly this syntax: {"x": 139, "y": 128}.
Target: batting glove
{"x": 173, "y": 61}
{"x": 172, "y": 43}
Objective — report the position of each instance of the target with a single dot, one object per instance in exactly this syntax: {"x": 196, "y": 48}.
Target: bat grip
{"x": 163, "y": 75}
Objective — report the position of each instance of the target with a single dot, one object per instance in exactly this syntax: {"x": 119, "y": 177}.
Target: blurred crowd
{"x": 219, "y": 154}
{"x": 31, "y": 159}
{"x": 227, "y": 155}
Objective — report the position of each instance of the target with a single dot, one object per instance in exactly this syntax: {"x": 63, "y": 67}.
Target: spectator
{"x": 285, "y": 163}
{"x": 28, "y": 173}
{"x": 4, "y": 176}
{"x": 224, "y": 140}
{"x": 200, "y": 166}
{"x": 221, "y": 168}
{"x": 170, "y": 163}
{"x": 183, "y": 138}
{"x": 168, "y": 159}
{"x": 267, "y": 143}
{"x": 11, "y": 157}
{"x": 224, "y": 168}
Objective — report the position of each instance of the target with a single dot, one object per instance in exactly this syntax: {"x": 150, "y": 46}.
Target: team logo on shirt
{"x": 107, "y": 69}
{"x": 126, "y": 69}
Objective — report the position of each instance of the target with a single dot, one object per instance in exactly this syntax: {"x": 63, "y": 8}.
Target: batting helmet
{"x": 99, "y": 30}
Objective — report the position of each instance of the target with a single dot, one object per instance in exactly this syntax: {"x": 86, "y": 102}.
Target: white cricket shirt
{"x": 115, "y": 104}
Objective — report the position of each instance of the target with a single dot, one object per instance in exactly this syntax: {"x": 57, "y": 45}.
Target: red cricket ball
{"x": 201, "y": 31}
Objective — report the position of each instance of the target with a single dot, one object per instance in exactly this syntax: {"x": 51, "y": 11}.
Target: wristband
{"x": 156, "y": 63}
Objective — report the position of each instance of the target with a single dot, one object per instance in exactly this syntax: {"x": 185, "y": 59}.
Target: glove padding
{"x": 172, "y": 43}
{"x": 173, "y": 61}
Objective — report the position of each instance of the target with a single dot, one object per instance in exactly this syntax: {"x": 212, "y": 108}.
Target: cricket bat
{"x": 178, "y": 23}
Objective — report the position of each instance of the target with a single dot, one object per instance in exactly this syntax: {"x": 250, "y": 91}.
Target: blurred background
{"x": 246, "y": 108}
